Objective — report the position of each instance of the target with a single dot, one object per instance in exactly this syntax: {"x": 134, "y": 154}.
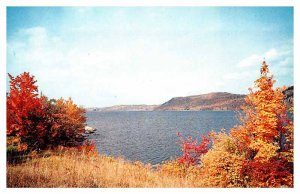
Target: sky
{"x": 104, "y": 56}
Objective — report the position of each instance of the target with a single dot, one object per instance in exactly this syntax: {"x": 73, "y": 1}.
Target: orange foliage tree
{"x": 259, "y": 152}
{"x": 65, "y": 122}
{"x": 266, "y": 135}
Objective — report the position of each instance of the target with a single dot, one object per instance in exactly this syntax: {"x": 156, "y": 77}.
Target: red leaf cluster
{"x": 25, "y": 112}
{"x": 192, "y": 150}
{"x": 273, "y": 173}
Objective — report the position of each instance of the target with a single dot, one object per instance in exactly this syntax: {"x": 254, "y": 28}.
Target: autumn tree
{"x": 257, "y": 153}
{"x": 35, "y": 123}
{"x": 266, "y": 134}
{"x": 66, "y": 122}
{"x": 24, "y": 113}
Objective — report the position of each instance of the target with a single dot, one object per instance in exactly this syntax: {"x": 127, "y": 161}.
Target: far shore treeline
{"x": 257, "y": 153}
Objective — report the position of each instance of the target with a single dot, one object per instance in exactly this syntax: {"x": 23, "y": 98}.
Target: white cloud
{"x": 287, "y": 61}
{"x": 272, "y": 54}
{"x": 37, "y": 36}
{"x": 250, "y": 61}
{"x": 280, "y": 56}
{"x": 280, "y": 60}
{"x": 232, "y": 76}
{"x": 102, "y": 71}
{"x": 237, "y": 76}
{"x": 138, "y": 72}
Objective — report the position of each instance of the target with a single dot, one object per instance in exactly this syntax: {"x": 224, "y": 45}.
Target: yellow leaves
{"x": 173, "y": 168}
{"x": 264, "y": 150}
{"x": 289, "y": 147}
{"x": 265, "y": 112}
{"x": 71, "y": 116}
{"x": 12, "y": 140}
{"x": 223, "y": 162}
{"x": 22, "y": 147}
{"x": 289, "y": 155}
{"x": 266, "y": 133}
{"x": 264, "y": 68}
{"x": 189, "y": 173}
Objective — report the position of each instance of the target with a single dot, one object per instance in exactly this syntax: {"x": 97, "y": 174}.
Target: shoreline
{"x": 163, "y": 110}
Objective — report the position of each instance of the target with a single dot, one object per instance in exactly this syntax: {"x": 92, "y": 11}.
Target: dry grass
{"x": 81, "y": 170}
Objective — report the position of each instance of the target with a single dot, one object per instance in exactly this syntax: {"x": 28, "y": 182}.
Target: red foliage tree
{"x": 272, "y": 173}
{"x": 192, "y": 150}
{"x": 34, "y": 122}
{"x": 25, "y": 112}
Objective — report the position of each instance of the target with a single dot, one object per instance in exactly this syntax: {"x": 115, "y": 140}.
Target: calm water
{"x": 149, "y": 136}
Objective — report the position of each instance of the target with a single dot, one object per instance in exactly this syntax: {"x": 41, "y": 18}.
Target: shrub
{"x": 192, "y": 150}
{"x": 222, "y": 163}
{"x": 65, "y": 122}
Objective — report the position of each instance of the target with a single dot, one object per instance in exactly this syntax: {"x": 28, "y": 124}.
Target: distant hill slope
{"x": 210, "y": 101}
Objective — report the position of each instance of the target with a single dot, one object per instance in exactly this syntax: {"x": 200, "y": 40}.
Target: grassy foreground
{"x": 80, "y": 170}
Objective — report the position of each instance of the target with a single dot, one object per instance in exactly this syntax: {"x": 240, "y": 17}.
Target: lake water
{"x": 150, "y": 136}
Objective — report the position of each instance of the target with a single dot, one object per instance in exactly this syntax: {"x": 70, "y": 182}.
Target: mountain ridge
{"x": 210, "y": 101}
{"x": 174, "y": 105}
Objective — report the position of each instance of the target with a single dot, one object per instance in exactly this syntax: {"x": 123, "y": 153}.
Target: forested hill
{"x": 210, "y": 101}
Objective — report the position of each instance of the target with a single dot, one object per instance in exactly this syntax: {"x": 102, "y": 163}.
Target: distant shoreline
{"x": 160, "y": 110}
{"x": 217, "y": 101}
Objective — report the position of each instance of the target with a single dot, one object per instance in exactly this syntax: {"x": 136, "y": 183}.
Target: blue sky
{"x": 103, "y": 56}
